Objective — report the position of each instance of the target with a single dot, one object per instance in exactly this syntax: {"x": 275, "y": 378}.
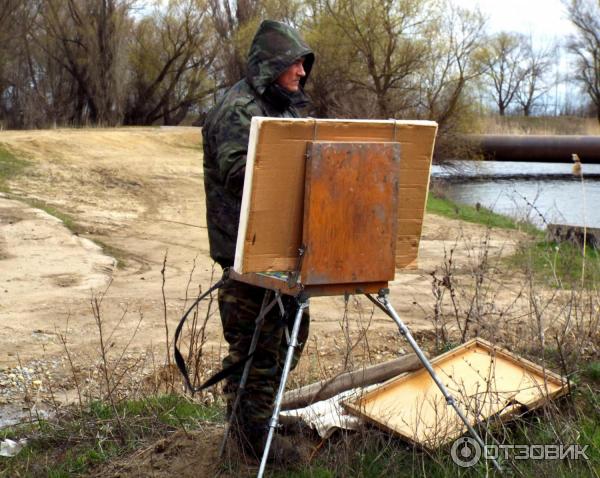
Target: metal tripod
{"x": 383, "y": 303}
{"x": 258, "y": 324}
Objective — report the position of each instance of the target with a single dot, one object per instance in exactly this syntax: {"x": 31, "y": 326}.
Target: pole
{"x": 293, "y": 343}
{"x": 384, "y": 304}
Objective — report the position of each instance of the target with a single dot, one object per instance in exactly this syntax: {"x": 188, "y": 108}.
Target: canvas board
{"x": 486, "y": 381}
{"x": 271, "y": 217}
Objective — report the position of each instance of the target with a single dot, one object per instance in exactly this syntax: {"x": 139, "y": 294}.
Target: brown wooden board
{"x": 271, "y": 219}
{"x": 268, "y": 281}
{"x": 350, "y": 212}
{"x": 485, "y": 380}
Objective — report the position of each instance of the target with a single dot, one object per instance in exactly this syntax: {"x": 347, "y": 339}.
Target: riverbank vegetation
{"x": 553, "y": 263}
{"x": 437, "y": 204}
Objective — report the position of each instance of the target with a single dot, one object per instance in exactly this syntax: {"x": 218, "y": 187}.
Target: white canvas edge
{"x": 337, "y": 120}
{"x": 246, "y": 194}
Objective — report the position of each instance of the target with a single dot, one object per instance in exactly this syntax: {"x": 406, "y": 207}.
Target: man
{"x": 279, "y": 63}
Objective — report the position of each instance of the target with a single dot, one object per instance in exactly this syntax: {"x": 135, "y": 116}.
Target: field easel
{"x": 329, "y": 208}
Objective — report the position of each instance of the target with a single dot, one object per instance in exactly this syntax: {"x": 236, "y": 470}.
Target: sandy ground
{"x": 139, "y": 193}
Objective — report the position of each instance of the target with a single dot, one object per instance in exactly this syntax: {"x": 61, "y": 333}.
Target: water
{"x": 542, "y": 193}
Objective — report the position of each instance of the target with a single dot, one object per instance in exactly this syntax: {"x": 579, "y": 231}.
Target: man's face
{"x": 290, "y": 79}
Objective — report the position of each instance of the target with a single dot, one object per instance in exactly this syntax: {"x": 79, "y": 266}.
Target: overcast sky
{"x": 544, "y": 19}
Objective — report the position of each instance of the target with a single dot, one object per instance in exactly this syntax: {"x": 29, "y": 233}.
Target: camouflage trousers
{"x": 239, "y": 305}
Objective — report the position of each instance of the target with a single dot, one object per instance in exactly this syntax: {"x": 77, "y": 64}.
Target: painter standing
{"x": 279, "y": 63}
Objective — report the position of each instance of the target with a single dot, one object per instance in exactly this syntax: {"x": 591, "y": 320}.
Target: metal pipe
{"x": 383, "y": 301}
{"x": 550, "y": 148}
{"x": 293, "y": 343}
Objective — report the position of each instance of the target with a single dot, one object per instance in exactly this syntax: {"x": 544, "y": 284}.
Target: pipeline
{"x": 558, "y": 148}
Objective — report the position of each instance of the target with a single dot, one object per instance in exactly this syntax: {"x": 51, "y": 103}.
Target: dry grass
{"x": 538, "y": 125}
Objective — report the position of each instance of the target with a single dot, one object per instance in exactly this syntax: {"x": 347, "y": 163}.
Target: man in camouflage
{"x": 279, "y": 63}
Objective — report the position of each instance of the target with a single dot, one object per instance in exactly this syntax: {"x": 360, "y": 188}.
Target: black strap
{"x": 231, "y": 369}
{"x": 179, "y": 360}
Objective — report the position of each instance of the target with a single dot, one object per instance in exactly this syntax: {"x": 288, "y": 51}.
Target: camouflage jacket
{"x": 226, "y": 130}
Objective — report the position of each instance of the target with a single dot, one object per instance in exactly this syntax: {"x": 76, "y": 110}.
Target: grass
{"x": 74, "y": 443}
{"x": 550, "y": 262}
{"x": 444, "y": 207}
{"x": 542, "y": 125}
{"x": 592, "y": 371}
{"x": 373, "y": 454}
{"x": 558, "y": 264}
{"x": 10, "y": 167}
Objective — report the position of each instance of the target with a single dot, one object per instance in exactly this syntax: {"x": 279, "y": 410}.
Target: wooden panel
{"x": 350, "y": 212}
{"x": 484, "y": 380}
{"x": 281, "y": 285}
{"x": 270, "y": 231}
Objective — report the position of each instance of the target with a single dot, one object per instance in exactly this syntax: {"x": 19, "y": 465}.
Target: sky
{"x": 544, "y": 19}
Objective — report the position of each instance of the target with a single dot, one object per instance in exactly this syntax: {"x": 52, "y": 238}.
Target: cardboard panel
{"x": 484, "y": 380}
{"x": 350, "y": 212}
{"x": 271, "y": 218}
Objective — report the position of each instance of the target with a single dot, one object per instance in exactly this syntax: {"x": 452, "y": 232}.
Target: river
{"x": 543, "y": 193}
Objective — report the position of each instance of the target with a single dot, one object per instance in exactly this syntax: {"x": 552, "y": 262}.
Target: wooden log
{"x": 574, "y": 234}
{"x": 324, "y": 389}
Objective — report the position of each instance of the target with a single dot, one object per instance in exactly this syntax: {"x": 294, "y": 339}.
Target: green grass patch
{"x": 10, "y": 167}
{"x": 592, "y": 372}
{"x": 558, "y": 264}
{"x": 172, "y": 410}
{"x": 480, "y": 215}
{"x": 69, "y": 221}
{"x": 119, "y": 254}
{"x": 72, "y": 444}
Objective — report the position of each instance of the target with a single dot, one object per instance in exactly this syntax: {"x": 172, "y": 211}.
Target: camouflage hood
{"x": 274, "y": 48}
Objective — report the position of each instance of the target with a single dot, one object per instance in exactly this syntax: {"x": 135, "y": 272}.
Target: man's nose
{"x": 300, "y": 70}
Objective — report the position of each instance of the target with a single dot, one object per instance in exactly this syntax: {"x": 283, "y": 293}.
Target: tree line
{"x": 128, "y": 62}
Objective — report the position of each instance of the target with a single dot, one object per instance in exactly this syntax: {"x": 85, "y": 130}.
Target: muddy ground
{"x": 134, "y": 197}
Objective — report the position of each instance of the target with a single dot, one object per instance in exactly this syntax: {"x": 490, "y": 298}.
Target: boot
{"x": 251, "y": 439}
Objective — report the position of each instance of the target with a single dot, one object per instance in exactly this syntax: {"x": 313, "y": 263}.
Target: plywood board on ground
{"x": 485, "y": 381}
{"x": 271, "y": 218}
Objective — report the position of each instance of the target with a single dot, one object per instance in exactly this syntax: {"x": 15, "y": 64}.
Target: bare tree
{"x": 585, "y": 46}
{"x": 231, "y": 20}
{"x": 389, "y": 38}
{"x": 503, "y": 59}
{"x": 171, "y": 54}
{"x": 86, "y": 37}
{"x": 451, "y": 63}
{"x": 536, "y": 67}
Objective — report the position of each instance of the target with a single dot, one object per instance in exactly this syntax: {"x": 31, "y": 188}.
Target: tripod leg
{"x": 383, "y": 303}
{"x": 292, "y": 344}
{"x": 264, "y": 310}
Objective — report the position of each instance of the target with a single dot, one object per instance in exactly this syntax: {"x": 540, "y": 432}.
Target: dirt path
{"x": 139, "y": 193}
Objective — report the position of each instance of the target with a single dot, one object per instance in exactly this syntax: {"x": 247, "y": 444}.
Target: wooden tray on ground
{"x": 485, "y": 380}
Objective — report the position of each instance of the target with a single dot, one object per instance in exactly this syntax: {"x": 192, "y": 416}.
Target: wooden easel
{"x": 348, "y": 246}
{"x": 329, "y": 209}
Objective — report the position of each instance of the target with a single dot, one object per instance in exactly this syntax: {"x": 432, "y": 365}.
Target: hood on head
{"x": 274, "y": 48}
